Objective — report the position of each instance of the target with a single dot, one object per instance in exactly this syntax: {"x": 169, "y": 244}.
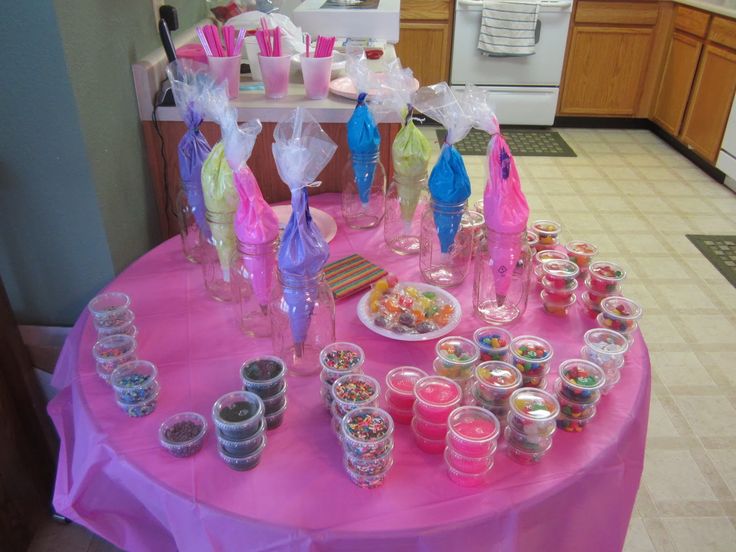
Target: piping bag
{"x": 410, "y": 149}
{"x": 187, "y": 79}
{"x": 301, "y": 150}
{"x": 363, "y": 136}
{"x": 505, "y": 207}
{"x": 448, "y": 183}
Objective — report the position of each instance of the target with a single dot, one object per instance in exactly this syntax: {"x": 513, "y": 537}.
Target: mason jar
{"x": 218, "y": 253}
{"x": 446, "y": 245}
{"x": 253, "y": 273}
{"x": 406, "y": 201}
{"x": 363, "y": 191}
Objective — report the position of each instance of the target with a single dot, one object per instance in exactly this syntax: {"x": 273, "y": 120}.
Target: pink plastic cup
{"x": 400, "y": 382}
{"x": 316, "y": 73}
{"x": 226, "y": 69}
{"x": 473, "y": 431}
{"x": 468, "y": 465}
{"x": 436, "y": 397}
{"x": 275, "y": 72}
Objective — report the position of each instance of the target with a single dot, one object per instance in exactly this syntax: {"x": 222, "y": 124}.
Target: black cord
{"x": 167, "y": 200}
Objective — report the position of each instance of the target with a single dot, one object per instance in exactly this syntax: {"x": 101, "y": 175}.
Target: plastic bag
{"x": 301, "y": 150}
{"x": 187, "y": 80}
{"x": 448, "y": 182}
{"x": 220, "y": 196}
{"x": 291, "y": 35}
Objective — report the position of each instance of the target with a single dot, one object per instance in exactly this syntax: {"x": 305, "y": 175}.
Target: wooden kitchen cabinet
{"x": 677, "y": 79}
{"x": 425, "y": 38}
{"x": 710, "y": 102}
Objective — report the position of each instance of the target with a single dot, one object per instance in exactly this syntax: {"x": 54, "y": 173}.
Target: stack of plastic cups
{"x": 603, "y": 280}
{"x": 367, "y": 436}
{"x": 559, "y": 285}
{"x": 350, "y": 392}
{"x": 541, "y": 258}
{"x": 493, "y": 343}
{"x": 265, "y": 376}
{"x": 136, "y": 387}
{"x": 548, "y": 232}
{"x": 531, "y": 424}
{"x": 581, "y": 253}
{"x": 531, "y": 356}
{"x": 532, "y": 239}
{"x": 337, "y": 360}
{"x": 435, "y": 398}
{"x": 606, "y": 348}
{"x": 495, "y": 381}
{"x": 578, "y": 391}
{"x": 400, "y": 392}
{"x": 456, "y": 359}
{"x": 241, "y": 426}
{"x": 113, "y": 351}
{"x": 472, "y": 439}
{"x": 111, "y": 314}
{"x": 621, "y": 315}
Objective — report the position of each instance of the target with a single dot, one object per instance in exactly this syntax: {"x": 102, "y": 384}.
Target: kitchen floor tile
{"x": 700, "y": 533}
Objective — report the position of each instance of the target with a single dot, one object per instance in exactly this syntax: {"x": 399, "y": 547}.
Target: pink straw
{"x": 203, "y": 40}
{"x": 214, "y": 39}
{"x": 309, "y": 40}
{"x": 277, "y": 41}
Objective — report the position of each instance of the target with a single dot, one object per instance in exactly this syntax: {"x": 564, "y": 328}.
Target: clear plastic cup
{"x": 367, "y": 432}
{"x": 325, "y": 392}
{"x": 531, "y": 355}
{"x": 430, "y": 446}
{"x": 316, "y": 72}
{"x": 431, "y": 430}
{"x": 533, "y": 412}
{"x": 596, "y": 298}
{"x": 111, "y": 352}
{"x": 276, "y": 402}
{"x": 119, "y": 324}
{"x": 134, "y": 381}
{"x": 243, "y": 463}
{"x": 400, "y": 386}
{"x": 182, "y": 434}
{"x": 144, "y": 407}
{"x": 245, "y": 447}
{"x": 605, "y": 277}
{"x": 497, "y": 408}
{"x": 532, "y": 239}
{"x": 581, "y": 253}
{"x": 561, "y": 292}
{"x": 354, "y": 391}
{"x": 263, "y": 375}
{"x": 525, "y": 458}
{"x": 340, "y": 359}
{"x": 469, "y": 464}
{"x": 527, "y": 443}
{"x": 574, "y": 425}
{"x": 400, "y": 415}
{"x": 549, "y": 255}
{"x": 436, "y": 397}
{"x": 560, "y": 273}
{"x": 457, "y": 357}
{"x": 238, "y": 415}
{"x": 369, "y": 466}
{"x": 472, "y": 431}
{"x": 573, "y": 409}
{"x": 620, "y": 314}
{"x": 547, "y": 230}
{"x": 589, "y": 307}
{"x": 605, "y": 346}
{"x": 611, "y": 382}
{"x": 275, "y": 419}
{"x": 493, "y": 343}
{"x": 628, "y": 334}
{"x": 496, "y": 381}
{"x": 555, "y": 306}
{"x": 366, "y": 481}
{"x": 538, "y": 381}
{"x": 468, "y": 479}
{"x": 108, "y": 308}
{"x": 581, "y": 380}
{"x": 610, "y": 364}
{"x": 226, "y": 69}
{"x": 275, "y": 73}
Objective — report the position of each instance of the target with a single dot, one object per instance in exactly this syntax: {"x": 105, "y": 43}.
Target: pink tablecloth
{"x": 114, "y": 478}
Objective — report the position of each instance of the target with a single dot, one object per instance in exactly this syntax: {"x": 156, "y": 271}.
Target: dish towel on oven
{"x": 508, "y": 28}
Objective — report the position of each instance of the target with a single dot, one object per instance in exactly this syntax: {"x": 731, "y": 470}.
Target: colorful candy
{"x": 605, "y": 277}
{"x": 531, "y": 355}
{"x": 555, "y": 305}
{"x": 548, "y": 231}
{"x": 620, "y": 314}
{"x": 492, "y": 342}
{"x": 581, "y": 253}
{"x": 496, "y": 381}
{"x": 456, "y": 357}
{"x": 353, "y": 391}
{"x": 581, "y": 380}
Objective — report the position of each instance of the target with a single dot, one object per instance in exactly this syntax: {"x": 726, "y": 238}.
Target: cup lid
{"x": 342, "y": 356}
{"x": 356, "y": 388}
{"x": 546, "y": 227}
{"x": 621, "y": 307}
{"x": 582, "y": 375}
{"x": 547, "y": 300}
{"x": 531, "y": 348}
{"x": 497, "y": 374}
{"x": 367, "y": 425}
{"x": 534, "y": 404}
{"x": 108, "y": 302}
{"x": 458, "y": 350}
{"x": 401, "y": 380}
{"x": 271, "y": 370}
{"x": 606, "y": 270}
{"x": 252, "y": 408}
{"x": 474, "y": 423}
{"x": 549, "y": 255}
{"x": 579, "y": 247}
{"x": 492, "y": 338}
{"x": 605, "y": 341}
{"x": 561, "y": 268}
{"x": 437, "y": 391}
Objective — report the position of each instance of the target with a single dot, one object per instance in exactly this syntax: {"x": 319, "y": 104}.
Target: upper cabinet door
{"x": 605, "y": 71}
{"x": 677, "y": 79}
{"x": 710, "y": 102}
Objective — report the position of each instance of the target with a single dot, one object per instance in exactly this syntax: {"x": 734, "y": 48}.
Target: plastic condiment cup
{"x": 246, "y": 447}
{"x": 620, "y": 314}
{"x": 111, "y": 352}
{"x": 532, "y": 239}
{"x": 436, "y": 397}
{"x": 275, "y": 73}
{"x": 527, "y": 443}
{"x": 548, "y": 255}
{"x": 605, "y": 277}
{"x": 537, "y": 381}
{"x": 525, "y": 458}
{"x": 559, "y": 272}
{"x": 276, "y": 402}
{"x": 574, "y": 425}
{"x": 371, "y": 466}
{"x": 366, "y": 481}
{"x": 430, "y": 446}
{"x": 144, "y": 407}
{"x": 457, "y": 356}
{"x": 367, "y": 432}
{"x": 226, "y": 69}
{"x": 187, "y": 444}
{"x": 119, "y": 324}
{"x": 430, "y": 430}
{"x": 581, "y": 253}
{"x": 533, "y": 411}
{"x": 263, "y": 375}
{"x": 496, "y": 381}
{"x": 275, "y": 419}
{"x": 400, "y": 415}
{"x": 466, "y": 464}
{"x": 340, "y": 359}
{"x": 628, "y": 334}
{"x": 400, "y": 386}
{"x": 581, "y": 380}
{"x": 133, "y": 381}
{"x": 595, "y": 297}
{"x": 609, "y": 363}
{"x": 555, "y": 306}
{"x": 467, "y": 479}
{"x": 493, "y": 343}
{"x": 571, "y": 408}
{"x": 242, "y": 463}
{"x": 107, "y": 307}
{"x": 497, "y": 408}
{"x": 611, "y": 382}
{"x": 590, "y": 308}
{"x": 547, "y": 230}
{"x": 353, "y": 391}
{"x": 531, "y": 355}
{"x": 472, "y": 431}
{"x": 237, "y": 415}
{"x": 316, "y": 72}
{"x": 608, "y": 344}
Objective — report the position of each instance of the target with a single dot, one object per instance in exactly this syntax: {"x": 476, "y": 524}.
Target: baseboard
{"x": 603, "y": 122}
{"x": 702, "y": 164}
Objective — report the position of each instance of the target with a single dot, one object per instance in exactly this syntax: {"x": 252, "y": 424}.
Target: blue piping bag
{"x": 363, "y": 140}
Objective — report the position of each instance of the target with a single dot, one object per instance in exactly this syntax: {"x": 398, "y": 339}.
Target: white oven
{"x": 525, "y": 88}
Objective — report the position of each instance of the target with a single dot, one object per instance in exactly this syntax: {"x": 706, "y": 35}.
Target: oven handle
{"x": 562, "y": 4}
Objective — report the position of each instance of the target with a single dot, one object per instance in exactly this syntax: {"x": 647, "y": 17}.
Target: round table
{"x": 114, "y": 477}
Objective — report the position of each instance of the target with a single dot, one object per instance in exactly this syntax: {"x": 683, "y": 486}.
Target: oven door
{"x": 541, "y": 69}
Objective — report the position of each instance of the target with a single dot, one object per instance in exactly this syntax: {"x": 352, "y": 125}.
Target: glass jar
{"x": 190, "y": 222}
{"x": 302, "y": 321}
{"x": 253, "y": 273}
{"x": 363, "y": 210}
{"x": 406, "y": 201}
{"x": 444, "y": 255}
{"x": 502, "y": 274}
{"x": 217, "y": 254}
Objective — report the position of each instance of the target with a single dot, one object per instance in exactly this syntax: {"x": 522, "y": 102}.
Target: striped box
{"x": 350, "y": 275}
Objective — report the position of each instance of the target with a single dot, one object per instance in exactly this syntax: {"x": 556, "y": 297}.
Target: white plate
{"x": 344, "y": 87}
{"x": 324, "y": 222}
{"x": 339, "y": 61}
{"x": 366, "y": 317}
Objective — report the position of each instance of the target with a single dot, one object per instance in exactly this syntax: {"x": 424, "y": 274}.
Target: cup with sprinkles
{"x": 620, "y": 314}
{"x": 457, "y": 357}
{"x": 108, "y": 308}
{"x": 493, "y": 343}
{"x": 113, "y": 351}
{"x": 122, "y": 323}
{"x": 143, "y": 407}
{"x": 581, "y": 253}
{"x": 531, "y": 355}
{"x": 354, "y": 391}
{"x": 339, "y": 359}
{"x": 134, "y": 381}
{"x": 367, "y": 440}
{"x": 183, "y": 434}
